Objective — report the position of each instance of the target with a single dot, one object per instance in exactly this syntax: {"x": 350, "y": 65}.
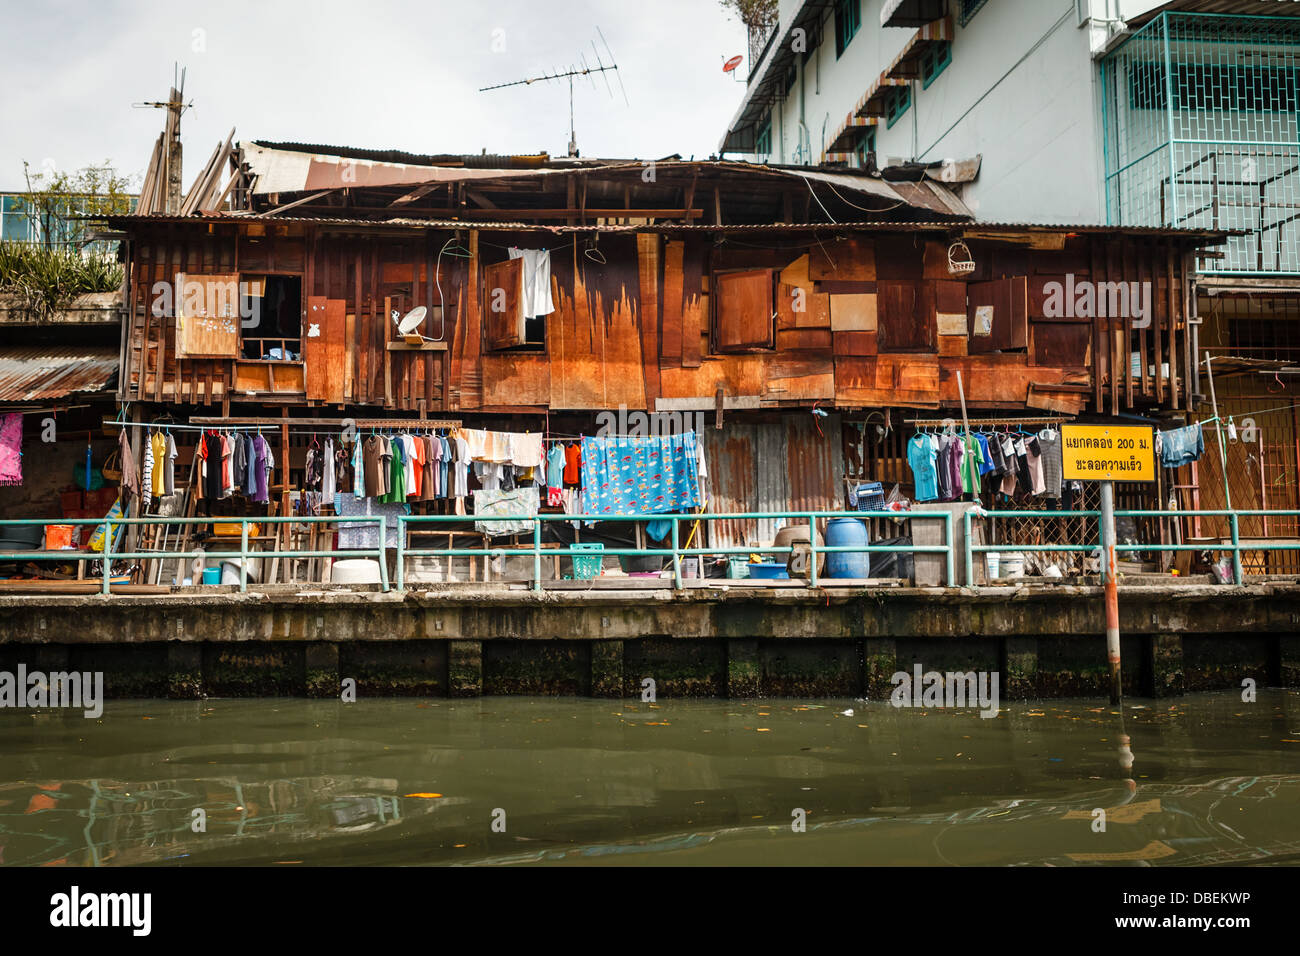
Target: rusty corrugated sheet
{"x": 729, "y": 454}
{"x": 816, "y": 463}
{"x": 42, "y": 373}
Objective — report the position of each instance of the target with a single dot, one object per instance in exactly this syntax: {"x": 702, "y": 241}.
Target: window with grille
{"x": 967, "y": 9}
{"x": 848, "y": 18}
{"x": 896, "y": 104}
{"x": 763, "y": 141}
{"x": 934, "y": 61}
{"x": 866, "y": 146}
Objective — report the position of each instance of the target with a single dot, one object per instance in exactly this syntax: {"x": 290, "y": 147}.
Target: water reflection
{"x": 1204, "y": 780}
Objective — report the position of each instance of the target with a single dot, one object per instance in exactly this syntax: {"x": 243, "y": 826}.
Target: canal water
{"x": 1203, "y": 779}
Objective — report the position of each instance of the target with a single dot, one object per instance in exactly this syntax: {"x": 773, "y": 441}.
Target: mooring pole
{"x": 1112, "y": 591}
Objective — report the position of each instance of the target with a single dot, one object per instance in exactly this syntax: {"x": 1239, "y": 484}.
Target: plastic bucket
{"x": 1013, "y": 565}
{"x": 212, "y": 575}
{"x": 991, "y": 561}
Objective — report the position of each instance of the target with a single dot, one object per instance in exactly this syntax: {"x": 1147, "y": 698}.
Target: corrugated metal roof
{"x": 953, "y": 227}
{"x": 36, "y": 373}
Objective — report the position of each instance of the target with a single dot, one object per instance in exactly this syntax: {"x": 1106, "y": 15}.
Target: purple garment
{"x": 11, "y": 449}
{"x": 261, "y": 456}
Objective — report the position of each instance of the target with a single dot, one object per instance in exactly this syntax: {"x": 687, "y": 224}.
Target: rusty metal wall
{"x": 778, "y": 466}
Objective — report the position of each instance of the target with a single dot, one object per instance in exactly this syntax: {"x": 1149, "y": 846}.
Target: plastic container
{"x": 355, "y": 571}
{"x": 768, "y": 569}
{"x": 212, "y": 575}
{"x": 991, "y": 561}
{"x": 230, "y": 570}
{"x": 587, "y": 569}
{"x": 1013, "y": 565}
{"x": 737, "y": 567}
{"x": 58, "y": 537}
{"x": 841, "y": 533}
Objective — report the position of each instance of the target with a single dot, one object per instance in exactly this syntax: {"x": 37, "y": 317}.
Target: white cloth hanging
{"x": 537, "y": 280}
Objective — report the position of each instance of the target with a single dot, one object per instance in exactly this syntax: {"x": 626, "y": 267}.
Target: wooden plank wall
{"x": 859, "y": 322}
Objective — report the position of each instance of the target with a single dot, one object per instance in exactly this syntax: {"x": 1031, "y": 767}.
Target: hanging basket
{"x": 960, "y": 260}
{"x": 111, "y": 469}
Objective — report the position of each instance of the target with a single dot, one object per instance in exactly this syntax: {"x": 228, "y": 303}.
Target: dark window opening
{"x": 272, "y": 326}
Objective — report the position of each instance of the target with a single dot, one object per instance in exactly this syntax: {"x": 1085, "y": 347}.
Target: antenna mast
{"x": 586, "y": 70}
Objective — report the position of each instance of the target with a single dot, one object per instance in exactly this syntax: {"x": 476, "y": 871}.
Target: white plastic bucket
{"x": 1013, "y": 565}
{"x": 991, "y": 561}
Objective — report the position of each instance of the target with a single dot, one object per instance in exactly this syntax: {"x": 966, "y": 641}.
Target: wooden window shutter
{"x": 998, "y": 315}
{"x": 207, "y": 315}
{"x": 905, "y": 316}
{"x": 503, "y": 305}
{"x": 744, "y": 316}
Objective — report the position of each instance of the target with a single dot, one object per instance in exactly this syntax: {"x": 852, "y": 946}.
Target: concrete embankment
{"x": 1045, "y": 641}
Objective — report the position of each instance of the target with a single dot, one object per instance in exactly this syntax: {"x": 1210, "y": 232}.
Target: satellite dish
{"x": 731, "y": 64}
{"x": 411, "y": 321}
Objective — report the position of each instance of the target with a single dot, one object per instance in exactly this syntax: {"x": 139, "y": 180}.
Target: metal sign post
{"x": 1104, "y": 453}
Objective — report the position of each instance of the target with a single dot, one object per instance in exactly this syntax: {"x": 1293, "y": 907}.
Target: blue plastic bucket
{"x": 843, "y": 533}
{"x": 211, "y": 575}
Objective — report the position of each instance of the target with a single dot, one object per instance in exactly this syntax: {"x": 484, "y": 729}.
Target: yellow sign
{"x": 1108, "y": 452}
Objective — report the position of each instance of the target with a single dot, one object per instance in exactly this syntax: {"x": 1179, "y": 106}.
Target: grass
{"x": 50, "y": 279}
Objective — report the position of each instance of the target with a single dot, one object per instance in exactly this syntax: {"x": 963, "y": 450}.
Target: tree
{"x": 759, "y": 18}
{"x": 55, "y": 198}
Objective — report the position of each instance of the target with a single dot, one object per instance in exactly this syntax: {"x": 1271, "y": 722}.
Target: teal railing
{"x": 675, "y": 550}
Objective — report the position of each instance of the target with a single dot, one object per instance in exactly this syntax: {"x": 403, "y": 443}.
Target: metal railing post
{"x": 677, "y": 558}
{"x": 966, "y": 547}
{"x": 105, "y": 560}
{"x": 1237, "y": 575}
{"x": 812, "y": 551}
{"x": 537, "y": 552}
{"x": 383, "y": 557}
{"x": 401, "y": 552}
{"x": 243, "y": 555}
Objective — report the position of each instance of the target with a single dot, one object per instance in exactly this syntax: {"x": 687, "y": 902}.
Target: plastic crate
{"x": 585, "y": 569}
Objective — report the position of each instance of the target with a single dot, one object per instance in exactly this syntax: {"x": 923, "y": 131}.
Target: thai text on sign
{"x": 1108, "y": 452}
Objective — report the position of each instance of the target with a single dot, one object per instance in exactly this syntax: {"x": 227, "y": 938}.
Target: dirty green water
{"x": 294, "y": 782}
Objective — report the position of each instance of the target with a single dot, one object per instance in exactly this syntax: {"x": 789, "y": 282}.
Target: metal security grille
{"x": 1199, "y": 117}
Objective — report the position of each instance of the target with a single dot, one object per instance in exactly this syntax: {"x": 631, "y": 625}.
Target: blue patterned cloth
{"x": 639, "y": 476}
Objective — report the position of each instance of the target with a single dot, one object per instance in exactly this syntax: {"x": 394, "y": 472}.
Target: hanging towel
{"x": 537, "y": 281}
{"x": 11, "y": 450}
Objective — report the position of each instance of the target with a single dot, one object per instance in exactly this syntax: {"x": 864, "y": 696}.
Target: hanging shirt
{"x": 169, "y": 468}
{"x": 358, "y": 471}
{"x": 1049, "y": 441}
{"x": 264, "y": 464}
{"x": 159, "y": 447}
{"x": 922, "y": 455}
{"x": 986, "y": 456}
{"x": 555, "y": 467}
{"x": 429, "y": 480}
{"x": 943, "y": 466}
{"x": 460, "y": 483}
{"x": 972, "y": 461}
{"x": 573, "y": 465}
{"x": 372, "y": 466}
{"x": 328, "y": 482}
{"x": 146, "y": 476}
{"x": 1033, "y": 458}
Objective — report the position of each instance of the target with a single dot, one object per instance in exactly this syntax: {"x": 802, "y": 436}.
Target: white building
{"x": 1078, "y": 111}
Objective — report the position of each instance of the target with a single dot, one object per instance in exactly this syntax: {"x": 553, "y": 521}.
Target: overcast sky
{"x": 372, "y": 73}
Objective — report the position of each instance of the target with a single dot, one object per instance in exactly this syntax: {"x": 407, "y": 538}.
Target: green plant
{"x": 48, "y": 278}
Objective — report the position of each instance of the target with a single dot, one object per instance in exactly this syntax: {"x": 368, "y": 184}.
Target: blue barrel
{"x": 844, "y": 533}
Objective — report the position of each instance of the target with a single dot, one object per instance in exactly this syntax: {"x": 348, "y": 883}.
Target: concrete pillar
{"x": 184, "y": 670}
{"x": 879, "y": 663}
{"x": 464, "y": 668}
{"x": 607, "y": 669}
{"x": 1166, "y": 665}
{"x": 321, "y": 669}
{"x": 743, "y": 669}
{"x": 1019, "y": 668}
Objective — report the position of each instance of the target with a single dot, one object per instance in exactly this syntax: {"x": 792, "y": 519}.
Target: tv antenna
{"x": 586, "y": 70}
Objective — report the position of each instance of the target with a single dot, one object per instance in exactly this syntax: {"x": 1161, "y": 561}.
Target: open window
{"x": 744, "y": 312}
{"x": 272, "y": 325}
{"x": 507, "y": 327}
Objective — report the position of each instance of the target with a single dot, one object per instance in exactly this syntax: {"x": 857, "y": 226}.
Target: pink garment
{"x": 11, "y": 449}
